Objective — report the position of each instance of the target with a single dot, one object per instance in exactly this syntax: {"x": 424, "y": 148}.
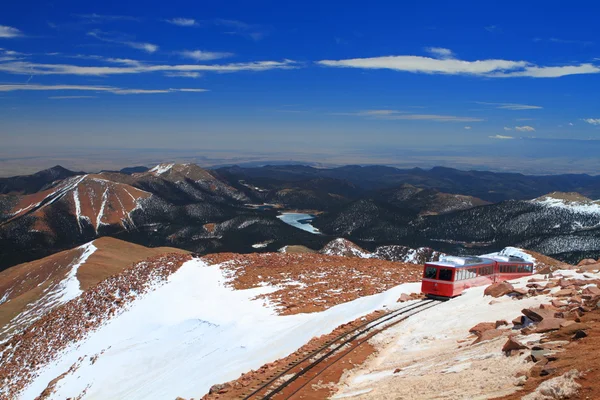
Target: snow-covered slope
{"x": 167, "y": 342}
{"x": 569, "y": 201}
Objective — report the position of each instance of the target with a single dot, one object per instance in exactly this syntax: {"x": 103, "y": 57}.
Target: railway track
{"x": 308, "y": 367}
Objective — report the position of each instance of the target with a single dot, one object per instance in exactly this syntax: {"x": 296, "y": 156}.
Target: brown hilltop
{"x": 24, "y": 285}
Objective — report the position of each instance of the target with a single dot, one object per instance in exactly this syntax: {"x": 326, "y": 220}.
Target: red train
{"x": 450, "y": 276}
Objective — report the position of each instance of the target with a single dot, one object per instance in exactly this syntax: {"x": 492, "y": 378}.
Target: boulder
{"x": 592, "y": 290}
{"x": 512, "y": 344}
{"x": 498, "y": 289}
{"x": 538, "y": 314}
{"x": 549, "y": 324}
{"x": 488, "y": 335}
{"x": 586, "y": 261}
{"x": 520, "y": 320}
{"x": 404, "y": 297}
{"x": 565, "y": 293}
{"x": 482, "y": 327}
{"x": 500, "y": 323}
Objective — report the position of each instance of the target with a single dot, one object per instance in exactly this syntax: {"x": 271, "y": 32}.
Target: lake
{"x": 300, "y": 221}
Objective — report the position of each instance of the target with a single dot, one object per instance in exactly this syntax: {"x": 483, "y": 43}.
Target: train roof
{"x": 508, "y": 259}
{"x": 469, "y": 261}
{"x": 458, "y": 262}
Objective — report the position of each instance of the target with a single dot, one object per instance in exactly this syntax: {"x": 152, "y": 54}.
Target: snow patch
{"x": 161, "y": 168}
{"x": 580, "y": 207}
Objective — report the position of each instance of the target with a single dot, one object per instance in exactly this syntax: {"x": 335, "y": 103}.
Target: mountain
{"x": 566, "y": 226}
{"x": 396, "y": 253}
{"x": 489, "y": 186}
{"x": 181, "y": 206}
{"x": 33, "y": 289}
{"x": 27, "y": 184}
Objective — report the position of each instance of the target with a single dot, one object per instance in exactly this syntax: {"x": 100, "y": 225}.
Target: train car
{"x": 450, "y": 276}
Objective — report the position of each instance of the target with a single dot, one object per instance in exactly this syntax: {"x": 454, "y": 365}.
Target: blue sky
{"x": 266, "y": 75}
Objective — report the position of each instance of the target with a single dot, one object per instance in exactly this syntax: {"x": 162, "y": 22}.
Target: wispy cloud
{"x": 107, "y": 89}
{"x": 403, "y": 115}
{"x": 71, "y": 97}
{"x": 525, "y": 128}
{"x": 501, "y": 137}
{"x": 468, "y": 128}
{"x": 510, "y": 106}
{"x": 440, "y": 52}
{"x": 29, "y": 68}
{"x": 183, "y": 74}
{"x": 200, "y": 55}
{"x": 584, "y": 43}
{"x": 506, "y": 128}
{"x": 491, "y": 68}
{"x": 8, "y": 32}
{"x": 98, "y": 18}
{"x": 182, "y": 21}
{"x": 492, "y": 28}
{"x": 117, "y": 39}
{"x": 252, "y": 31}
{"x": 592, "y": 121}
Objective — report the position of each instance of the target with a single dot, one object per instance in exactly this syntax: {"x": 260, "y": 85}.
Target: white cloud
{"x": 510, "y": 106}
{"x": 182, "y": 21}
{"x": 107, "y": 89}
{"x": 98, "y": 18}
{"x": 254, "y": 32}
{"x": 28, "y": 68}
{"x": 506, "y": 128}
{"x": 491, "y": 68}
{"x": 199, "y": 55}
{"x": 525, "y": 128}
{"x": 403, "y": 115}
{"x": 467, "y": 127}
{"x": 105, "y": 37}
{"x": 592, "y": 121}
{"x": 183, "y": 74}
{"x": 440, "y": 52}
{"x": 571, "y": 124}
{"x": 501, "y": 137}
{"x": 7, "y": 32}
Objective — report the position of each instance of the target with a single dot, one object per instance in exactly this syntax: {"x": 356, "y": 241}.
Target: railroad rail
{"x": 339, "y": 346}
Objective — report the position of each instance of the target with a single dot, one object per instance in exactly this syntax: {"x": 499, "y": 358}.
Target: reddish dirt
{"x": 313, "y": 282}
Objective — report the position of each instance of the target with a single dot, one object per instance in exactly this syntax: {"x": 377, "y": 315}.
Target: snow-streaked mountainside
{"x": 165, "y": 343}
{"x": 569, "y": 201}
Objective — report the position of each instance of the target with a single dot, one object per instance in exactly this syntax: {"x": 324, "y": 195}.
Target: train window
{"x": 528, "y": 268}
{"x": 430, "y": 272}
{"x": 445, "y": 274}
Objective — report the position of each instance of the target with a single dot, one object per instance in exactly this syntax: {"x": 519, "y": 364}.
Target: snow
{"x": 294, "y": 219}
{"x": 162, "y": 168}
{"x": 428, "y": 344}
{"x": 189, "y": 334}
{"x": 512, "y": 252}
{"x": 67, "y": 289}
{"x": 575, "y": 206}
{"x": 101, "y": 213}
{"x": 260, "y": 245}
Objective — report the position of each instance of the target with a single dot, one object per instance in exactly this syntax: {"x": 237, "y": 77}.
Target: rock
{"x": 482, "y": 327}
{"x": 404, "y": 297}
{"x": 549, "y": 324}
{"x": 498, "y": 289}
{"x": 219, "y": 388}
{"x": 397, "y": 370}
{"x": 512, "y": 344}
{"x": 586, "y": 261}
{"x": 593, "y": 290}
{"x": 500, "y": 323}
{"x": 579, "y": 335}
{"x": 565, "y": 293}
{"x": 520, "y": 320}
{"x": 520, "y": 292}
{"x": 539, "y": 356}
{"x": 538, "y": 314}
{"x": 558, "y": 303}
{"x": 567, "y": 323}
{"x": 488, "y": 335}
